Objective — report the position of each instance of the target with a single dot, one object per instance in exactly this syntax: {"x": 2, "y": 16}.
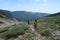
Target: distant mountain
{"x": 41, "y": 14}
{"x": 22, "y": 15}
{"x": 6, "y": 19}
{"x": 25, "y": 16}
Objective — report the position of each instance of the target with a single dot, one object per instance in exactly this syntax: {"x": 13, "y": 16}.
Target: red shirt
{"x": 35, "y": 23}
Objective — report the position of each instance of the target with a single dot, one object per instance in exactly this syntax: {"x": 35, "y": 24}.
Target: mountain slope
{"x": 25, "y": 16}
{"x": 6, "y": 19}
{"x": 47, "y": 25}
{"x": 51, "y": 20}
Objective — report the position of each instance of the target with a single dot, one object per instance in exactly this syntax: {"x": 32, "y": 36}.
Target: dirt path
{"x": 38, "y": 36}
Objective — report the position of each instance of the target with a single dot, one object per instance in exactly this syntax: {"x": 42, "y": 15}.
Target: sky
{"x": 45, "y": 6}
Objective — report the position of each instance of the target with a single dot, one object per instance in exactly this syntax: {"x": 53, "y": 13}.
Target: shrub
{"x": 7, "y": 35}
{"x": 11, "y": 35}
{"x": 45, "y": 32}
{"x": 1, "y": 22}
{"x": 13, "y": 31}
{"x": 4, "y": 29}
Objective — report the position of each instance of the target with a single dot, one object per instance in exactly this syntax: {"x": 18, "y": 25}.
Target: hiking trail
{"x": 38, "y": 36}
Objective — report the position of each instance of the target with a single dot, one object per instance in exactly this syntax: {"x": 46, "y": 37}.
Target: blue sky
{"x": 47, "y": 6}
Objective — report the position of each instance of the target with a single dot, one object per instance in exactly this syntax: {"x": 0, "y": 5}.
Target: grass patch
{"x": 13, "y": 31}
{"x": 4, "y": 29}
{"x": 48, "y": 25}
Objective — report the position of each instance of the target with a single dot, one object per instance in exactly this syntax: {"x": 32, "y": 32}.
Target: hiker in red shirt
{"x": 35, "y": 24}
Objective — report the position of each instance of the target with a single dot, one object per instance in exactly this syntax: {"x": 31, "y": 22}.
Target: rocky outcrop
{"x": 7, "y": 22}
{"x": 56, "y": 34}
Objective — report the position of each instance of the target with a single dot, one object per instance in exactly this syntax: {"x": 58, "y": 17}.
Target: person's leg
{"x": 35, "y": 27}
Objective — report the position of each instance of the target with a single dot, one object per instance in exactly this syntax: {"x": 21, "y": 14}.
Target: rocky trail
{"x": 38, "y": 36}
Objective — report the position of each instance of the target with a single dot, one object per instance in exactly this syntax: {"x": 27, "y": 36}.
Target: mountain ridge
{"x": 24, "y": 15}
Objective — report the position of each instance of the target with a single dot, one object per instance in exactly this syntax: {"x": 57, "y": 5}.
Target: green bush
{"x": 8, "y": 35}
{"x": 13, "y": 31}
{"x": 45, "y": 32}
{"x": 11, "y": 35}
{"x": 4, "y": 29}
{"x": 1, "y": 22}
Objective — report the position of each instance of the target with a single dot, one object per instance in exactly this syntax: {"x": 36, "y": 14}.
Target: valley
{"x": 14, "y": 26}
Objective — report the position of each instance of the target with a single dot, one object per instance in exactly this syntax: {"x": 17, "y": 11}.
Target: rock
{"x": 1, "y": 39}
{"x": 11, "y": 39}
{"x": 56, "y": 34}
{"x": 20, "y": 37}
{"x": 14, "y": 39}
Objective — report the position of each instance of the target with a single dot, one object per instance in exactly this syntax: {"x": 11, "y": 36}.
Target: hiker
{"x": 28, "y": 22}
{"x": 35, "y": 24}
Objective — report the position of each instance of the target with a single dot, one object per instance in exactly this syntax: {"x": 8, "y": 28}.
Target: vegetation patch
{"x": 49, "y": 24}
{"x": 1, "y": 22}
{"x": 13, "y": 31}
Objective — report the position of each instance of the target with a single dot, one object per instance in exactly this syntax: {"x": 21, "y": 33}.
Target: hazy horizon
{"x": 45, "y": 6}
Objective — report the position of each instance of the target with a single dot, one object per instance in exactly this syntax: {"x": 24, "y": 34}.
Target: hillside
{"x": 46, "y": 26}
{"x": 50, "y": 26}
{"x": 5, "y": 14}
{"x": 51, "y": 19}
{"x": 11, "y": 29}
{"x": 6, "y": 19}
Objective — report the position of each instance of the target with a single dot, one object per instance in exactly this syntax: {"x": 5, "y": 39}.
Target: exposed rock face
{"x": 7, "y": 22}
{"x": 56, "y": 34}
{"x": 1, "y": 39}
